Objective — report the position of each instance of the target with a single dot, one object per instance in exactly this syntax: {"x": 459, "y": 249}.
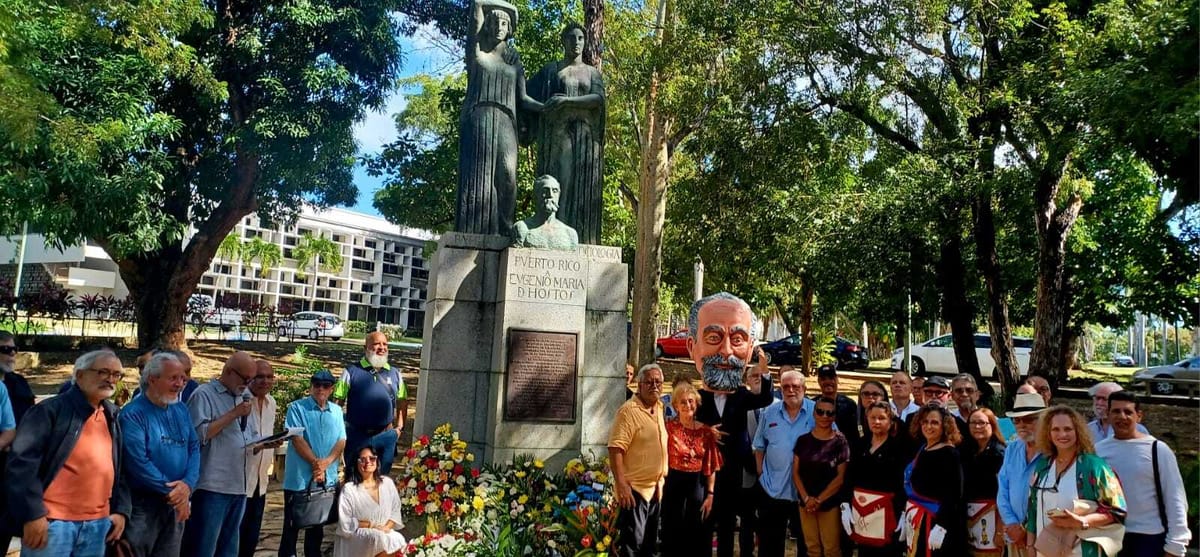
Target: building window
{"x": 250, "y": 233}
{"x": 334, "y": 284}
{"x": 391, "y": 269}
{"x": 367, "y": 287}
{"x": 369, "y": 244}
{"x": 285, "y": 290}
{"x": 359, "y": 252}
{"x": 287, "y": 253}
{"x": 420, "y": 274}
{"x": 249, "y": 285}
{"x": 338, "y": 237}
{"x": 289, "y": 240}
{"x": 323, "y": 293}
{"x": 356, "y": 298}
{"x": 362, "y": 265}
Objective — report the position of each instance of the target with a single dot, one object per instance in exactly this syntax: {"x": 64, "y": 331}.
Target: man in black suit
{"x": 721, "y": 344}
{"x": 937, "y": 391}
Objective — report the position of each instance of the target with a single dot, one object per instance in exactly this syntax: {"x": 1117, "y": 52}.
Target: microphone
{"x": 245, "y": 398}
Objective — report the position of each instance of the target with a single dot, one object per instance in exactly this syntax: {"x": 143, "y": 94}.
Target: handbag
{"x": 315, "y": 506}
{"x": 119, "y": 548}
{"x": 1053, "y": 541}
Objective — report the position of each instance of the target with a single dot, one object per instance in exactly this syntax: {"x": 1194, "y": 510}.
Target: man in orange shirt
{"x": 68, "y": 451}
{"x": 637, "y": 447}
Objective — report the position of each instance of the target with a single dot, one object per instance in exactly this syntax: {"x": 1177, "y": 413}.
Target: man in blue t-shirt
{"x": 375, "y": 401}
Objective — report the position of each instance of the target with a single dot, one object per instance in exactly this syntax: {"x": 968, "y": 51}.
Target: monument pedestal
{"x": 524, "y": 348}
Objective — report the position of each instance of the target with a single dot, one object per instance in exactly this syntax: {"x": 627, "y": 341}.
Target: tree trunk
{"x": 806, "y": 329}
{"x": 956, "y": 308}
{"x": 653, "y": 174}
{"x": 999, "y": 328}
{"x": 593, "y": 26}
{"x": 1053, "y": 294}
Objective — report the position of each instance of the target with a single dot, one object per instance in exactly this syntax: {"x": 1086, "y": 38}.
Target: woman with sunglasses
{"x": 982, "y": 456}
{"x": 818, "y": 471}
{"x": 368, "y": 512}
{"x": 869, "y": 392}
{"x": 1072, "y": 488}
{"x": 934, "y": 522}
{"x": 876, "y": 480}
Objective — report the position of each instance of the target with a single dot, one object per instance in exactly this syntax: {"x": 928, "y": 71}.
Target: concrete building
{"x": 383, "y": 276}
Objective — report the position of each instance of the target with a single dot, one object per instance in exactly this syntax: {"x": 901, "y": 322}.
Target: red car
{"x": 674, "y": 346}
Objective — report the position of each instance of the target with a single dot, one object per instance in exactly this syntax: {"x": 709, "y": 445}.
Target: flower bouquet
{"x": 437, "y": 479}
{"x": 588, "y": 516}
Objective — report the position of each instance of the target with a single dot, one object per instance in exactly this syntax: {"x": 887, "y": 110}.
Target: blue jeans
{"x": 251, "y": 525}
{"x": 384, "y": 443}
{"x": 67, "y": 538}
{"x": 215, "y": 525}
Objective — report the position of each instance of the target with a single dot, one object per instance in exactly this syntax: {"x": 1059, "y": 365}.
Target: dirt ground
{"x": 1177, "y": 425}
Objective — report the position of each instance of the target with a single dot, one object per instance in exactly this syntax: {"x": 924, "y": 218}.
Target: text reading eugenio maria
{"x": 547, "y": 279}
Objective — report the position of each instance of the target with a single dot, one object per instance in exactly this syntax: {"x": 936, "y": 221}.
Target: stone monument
{"x": 525, "y": 328}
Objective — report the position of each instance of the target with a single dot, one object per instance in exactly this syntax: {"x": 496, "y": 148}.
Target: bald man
{"x": 375, "y": 401}
{"x": 219, "y": 410}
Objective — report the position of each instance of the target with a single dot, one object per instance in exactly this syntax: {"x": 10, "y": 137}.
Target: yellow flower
{"x": 600, "y": 546}
{"x": 539, "y": 464}
{"x": 520, "y": 473}
{"x": 477, "y": 502}
{"x": 523, "y": 499}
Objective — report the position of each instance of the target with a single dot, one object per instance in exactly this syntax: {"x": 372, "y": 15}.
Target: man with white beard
{"x": 375, "y": 401}
{"x": 162, "y": 457}
{"x": 543, "y": 229}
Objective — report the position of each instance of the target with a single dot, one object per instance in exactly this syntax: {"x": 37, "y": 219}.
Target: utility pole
{"x": 21, "y": 260}
{"x": 908, "y": 336}
{"x": 698, "y": 279}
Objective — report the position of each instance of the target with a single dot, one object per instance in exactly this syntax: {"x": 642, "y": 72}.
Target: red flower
{"x": 412, "y": 453}
{"x": 586, "y": 541}
{"x": 447, "y": 505}
{"x": 424, "y": 439}
{"x": 458, "y": 469}
{"x": 474, "y": 472}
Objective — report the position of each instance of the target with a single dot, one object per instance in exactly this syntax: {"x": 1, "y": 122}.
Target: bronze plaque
{"x": 540, "y": 379}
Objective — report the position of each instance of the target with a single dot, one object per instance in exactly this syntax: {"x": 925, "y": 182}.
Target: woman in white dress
{"x": 369, "y": 512}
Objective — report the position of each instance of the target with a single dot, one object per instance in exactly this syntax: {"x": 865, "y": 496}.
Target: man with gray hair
{"x": 637, "y": 447}
{"x": 965, "y": 393}
{"x": 162, "y": 456}
{"x": 721, "y": 343}
{"x": 1100, "y": 427}
{"x": 72, "y": 497}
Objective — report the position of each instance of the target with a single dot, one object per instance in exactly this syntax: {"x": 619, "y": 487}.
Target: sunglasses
{"x": 8, "y": 350}
{"x": 367, "y": 459}
{"x": 826, "y": 413}
{"x": 322, "y": 385}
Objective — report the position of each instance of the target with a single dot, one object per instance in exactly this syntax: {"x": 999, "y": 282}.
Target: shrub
{"x": 355, "y": 327}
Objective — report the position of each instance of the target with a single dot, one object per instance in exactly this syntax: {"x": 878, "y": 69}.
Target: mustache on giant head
{"x": 717, "y": 378}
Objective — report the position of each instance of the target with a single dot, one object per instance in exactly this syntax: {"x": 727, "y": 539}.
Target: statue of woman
{"x": 570, "y": 134}
{"x": 487, "y": 148}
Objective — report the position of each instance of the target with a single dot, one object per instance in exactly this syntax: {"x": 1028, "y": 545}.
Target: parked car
{"x": 202, "y": 310}
{"x": 1123, "y": 360}
{"x": 936, "y": 355}
{"x": 1183, "y": 369}
{"x": 672, "y": 346}
{"x": 786, "y": 351}
{"x": 313, "y": 325}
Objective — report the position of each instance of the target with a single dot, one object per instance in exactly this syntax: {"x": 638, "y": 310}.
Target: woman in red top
{"x": 693, "y": 458}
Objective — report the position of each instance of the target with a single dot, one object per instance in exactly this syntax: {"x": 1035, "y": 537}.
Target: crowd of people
{"x": 182, "y": 468}
{"x": 923, "y": 471}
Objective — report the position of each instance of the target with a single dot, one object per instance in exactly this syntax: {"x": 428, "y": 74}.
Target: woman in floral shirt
{"x": 1071, "y": 472}
{"x": 693, "y": 459}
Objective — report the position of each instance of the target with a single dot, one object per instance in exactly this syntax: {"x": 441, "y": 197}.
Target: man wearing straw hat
{"x": 1019, "y": 462}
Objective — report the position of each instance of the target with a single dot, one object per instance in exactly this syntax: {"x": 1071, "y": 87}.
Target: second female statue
{"x": 487, "y": 166}
{"x": 570, "y": 134}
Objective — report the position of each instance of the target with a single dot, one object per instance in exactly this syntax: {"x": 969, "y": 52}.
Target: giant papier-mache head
{"x": 721, "y": 339}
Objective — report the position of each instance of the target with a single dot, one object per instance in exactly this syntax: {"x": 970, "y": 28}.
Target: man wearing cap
{"x": 1020, "y": 459}
{"x": 846, "y": 409}
{"x": 376, "y": 402}
{"x": 1100, "y": 427}
{"x": 937, "y": 391}
{"x": 312, "y": 458}
{"x": 1157, "y": 522}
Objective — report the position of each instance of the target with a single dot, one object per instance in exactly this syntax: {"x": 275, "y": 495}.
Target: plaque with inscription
{"x": 540, "y": 377}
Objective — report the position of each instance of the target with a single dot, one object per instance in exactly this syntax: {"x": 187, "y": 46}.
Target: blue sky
{"x": 424, "y": 52}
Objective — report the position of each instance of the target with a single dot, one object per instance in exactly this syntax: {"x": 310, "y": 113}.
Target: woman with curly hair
{"x": 934, "y": 518}
{"x": 1073, "y": 490}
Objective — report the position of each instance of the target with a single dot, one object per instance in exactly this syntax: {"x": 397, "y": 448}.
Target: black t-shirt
{"x": 819, "y": 459}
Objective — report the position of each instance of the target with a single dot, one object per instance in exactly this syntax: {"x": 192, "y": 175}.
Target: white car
{"x": 313, "y": 325}
{"x": 937, "y": 355}
{"x": 201, "y": 310}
